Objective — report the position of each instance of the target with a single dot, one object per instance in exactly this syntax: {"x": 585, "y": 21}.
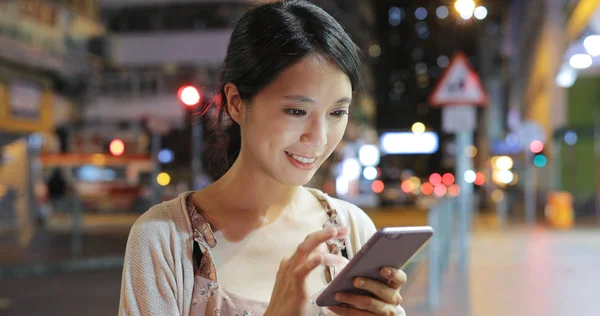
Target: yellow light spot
{"x": 418, "y": 128}
{"x": 163, "y": 179}
{"x": 497, "y": 195}
{"x": 98, "y": 159}
{"x": 471, "y": 151}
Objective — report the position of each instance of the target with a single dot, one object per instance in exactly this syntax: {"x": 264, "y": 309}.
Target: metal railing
{"x": 62, "y": 247}
{"x": 447, "y": 241}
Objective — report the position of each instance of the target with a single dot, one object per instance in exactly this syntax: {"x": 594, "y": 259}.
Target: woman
{"x": 252, "y": 242}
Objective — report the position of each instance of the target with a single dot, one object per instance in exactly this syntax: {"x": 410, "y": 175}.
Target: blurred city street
{"x": 513, "y": 270}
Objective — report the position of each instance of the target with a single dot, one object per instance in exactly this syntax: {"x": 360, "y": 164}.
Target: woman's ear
{"x": 234, "y": 103}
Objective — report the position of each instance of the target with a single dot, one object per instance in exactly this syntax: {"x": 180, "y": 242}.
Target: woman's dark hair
{"x": 267, "y": 40}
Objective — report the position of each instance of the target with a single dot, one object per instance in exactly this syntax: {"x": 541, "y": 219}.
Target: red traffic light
{"x": 117, "y": 147}
{"x": 536, "y": 146}
{"x": 189, "y": 95}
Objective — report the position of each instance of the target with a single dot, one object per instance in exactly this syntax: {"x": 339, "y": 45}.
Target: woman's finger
{"x": 381, "y": 290}
{"x": 318, "y": 258}
{"x": 330, "y": 259}
{"x": 313, "y": 241}
{"x": 349, "y": 311}
{"x": 302, "y": 271}
{"x": 396, "y": 277}
{"x": 366, "y": 303}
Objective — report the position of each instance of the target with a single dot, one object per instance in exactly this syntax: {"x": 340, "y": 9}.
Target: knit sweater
{"x": 158, "y": 274}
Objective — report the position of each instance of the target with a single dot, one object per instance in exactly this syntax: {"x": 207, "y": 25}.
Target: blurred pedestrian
{"x": 250, "y": 243}
{"x": 57, "y": 190}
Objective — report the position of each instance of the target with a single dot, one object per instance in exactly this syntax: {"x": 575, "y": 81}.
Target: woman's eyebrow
{"x": 305, "y": 99}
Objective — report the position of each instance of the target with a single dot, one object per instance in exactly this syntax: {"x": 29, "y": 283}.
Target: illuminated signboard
{"x": 405, "y": 143}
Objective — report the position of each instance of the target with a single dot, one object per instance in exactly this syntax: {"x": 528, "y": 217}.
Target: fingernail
{"x": 360, "y": 282}
{"x": 332, "y": 230}
{"x": 387, "y": 272}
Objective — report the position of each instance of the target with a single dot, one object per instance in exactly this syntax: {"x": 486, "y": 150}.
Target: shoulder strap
{"x": 345, "y": 219}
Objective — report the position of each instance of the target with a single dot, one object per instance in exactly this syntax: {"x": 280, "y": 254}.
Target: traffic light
{"x": 189, "y": 95}
{"x": 117, "y": 147}
{"x": 540, "y": 160}
{"x": 536, "y": 146}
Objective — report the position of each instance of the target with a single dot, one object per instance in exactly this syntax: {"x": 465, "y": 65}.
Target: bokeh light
{"x": 448, "y": 179}
{"x": 571, "y": 138}
{"x": 435, "y": 178}
{"x": 442, "y": 12}
{"x": 117, "y": 147}
{"x": 479, "y": 178}
{"x": 418, "y": 128}
{"x": 540, "y": 161}
{"x": 471, "y": 151}
{"x": 377, "y": 186}
{"x": 469, "y": 176}
{"x": 440, "y": 190}
{"x": 497, "y": 195}
{"x": 163, "y": 179}
{"x": 427, "y": 188}
{"x": 189, "y": 95}
{"x": 370, "y": 173}
{"x": 421, "y": 13}
{"x": 536, "y": 146}
{"x": 407, "y": 186}
{"x": 480, "y": 13}
{"x": 454, "y": 190}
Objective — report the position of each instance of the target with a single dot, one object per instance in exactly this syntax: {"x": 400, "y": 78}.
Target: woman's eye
{"x": 295, "y": 112}
{"x": 339, "y": 112}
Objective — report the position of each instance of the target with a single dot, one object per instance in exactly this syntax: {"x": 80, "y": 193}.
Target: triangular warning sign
{"x": 459, "y": 85}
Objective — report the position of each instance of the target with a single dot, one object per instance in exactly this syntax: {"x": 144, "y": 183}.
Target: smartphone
{"x": 389, "y": 247}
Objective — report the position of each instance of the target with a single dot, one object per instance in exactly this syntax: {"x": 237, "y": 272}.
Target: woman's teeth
{"x": 302, "y": 159}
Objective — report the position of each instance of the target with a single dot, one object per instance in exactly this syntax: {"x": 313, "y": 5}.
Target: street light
{"x": 465, "y": 8}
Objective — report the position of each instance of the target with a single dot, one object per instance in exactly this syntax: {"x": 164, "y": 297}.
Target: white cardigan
{"x": 158, "y": 274}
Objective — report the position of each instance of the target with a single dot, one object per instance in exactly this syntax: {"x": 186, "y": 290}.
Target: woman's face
{"x": 295, "y": 123}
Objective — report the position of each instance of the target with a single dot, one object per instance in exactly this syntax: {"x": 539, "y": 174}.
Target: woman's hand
{"x": 290, "y": 294}
{"x": 388, "y": 296}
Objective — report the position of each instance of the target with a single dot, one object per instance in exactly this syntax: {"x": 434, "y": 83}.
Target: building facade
{"x": 43, "y": 65}
{"x": 552, "y": 79}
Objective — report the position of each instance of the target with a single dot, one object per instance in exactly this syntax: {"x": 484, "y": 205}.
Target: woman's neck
{"x": 247, "y": 196}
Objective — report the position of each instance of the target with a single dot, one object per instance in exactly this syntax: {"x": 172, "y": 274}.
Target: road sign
{"x": 459, "y": 85}
{"x": 459, "y": 118}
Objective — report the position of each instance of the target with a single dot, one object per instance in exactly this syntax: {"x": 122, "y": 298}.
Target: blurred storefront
{"x": 43, "y": 64}
{"x": 552, "y": 79}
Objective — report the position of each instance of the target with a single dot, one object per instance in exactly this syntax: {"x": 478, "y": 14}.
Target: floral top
{"x": 209, "y": 299}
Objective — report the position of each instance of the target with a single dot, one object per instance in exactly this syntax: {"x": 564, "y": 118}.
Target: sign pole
{"x": 464, "y": 139}
{"x": 530, "y": 185}
{"x": 155, "y": 145}
{"x": 459, "y": 92}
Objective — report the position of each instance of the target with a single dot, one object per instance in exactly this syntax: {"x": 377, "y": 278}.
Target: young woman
{"x": 256, "y": 242}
